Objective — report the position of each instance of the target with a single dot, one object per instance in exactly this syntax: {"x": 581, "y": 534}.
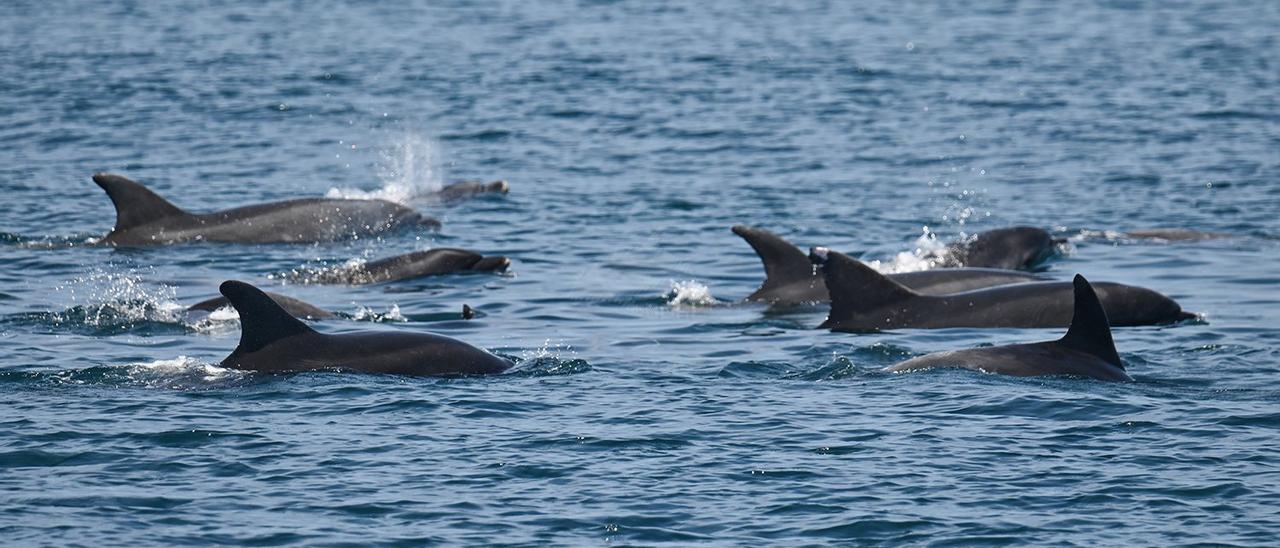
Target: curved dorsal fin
{"x": 1090, "y": 332}
{"x": 262, "y": 321}
{"x": 135, "y": 204}
{"x": 855, "y": 288}
{"x": 784, "y": 263}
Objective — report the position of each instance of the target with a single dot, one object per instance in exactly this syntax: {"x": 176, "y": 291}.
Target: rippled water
{"x": 647, "y": 408}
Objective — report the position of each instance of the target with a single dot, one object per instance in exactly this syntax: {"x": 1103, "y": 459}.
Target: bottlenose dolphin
{"x": 144, "y": 218}
{"x": 466, "y": 189}
{"x": 432, "y": 262}
{"x": 1013, "y": 248}
{"x": 295, "y": 307}
{"x": 865, "y": 300}
{"x": 1175, "y": 234}
{"x": 1085, "y": 351}
{"x": 273, "y": 341}
{"x": 791, "y": 279}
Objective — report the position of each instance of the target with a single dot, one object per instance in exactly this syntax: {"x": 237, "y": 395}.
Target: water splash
{"x": 367, "y": 314}
{"x": 114, "y": 302}
{"x": 926, "y": 253}
{"x": 690, "y": 293}
{"x": 408, "y": 170}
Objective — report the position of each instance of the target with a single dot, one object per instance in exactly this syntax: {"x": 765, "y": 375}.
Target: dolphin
{"x": 1013, "y": 248}
{"x": 432, "y": 262}
{"x": 295, "y": 307}
{"x": 790, "y": 278}
{"x": 466, "y": 189}
{"x": 865, "y": 300}
{"x": 273, "y": 341}
{"x": 144, "y": 218}
{"x": 1085, "y": 351}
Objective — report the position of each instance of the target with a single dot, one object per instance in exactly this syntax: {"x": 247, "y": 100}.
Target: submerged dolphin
{"x": 432, "y": 262}
{"x": 1085, "y": 351}
{"x": 791, "y": 279}
{"x": 466, "y": 189}
{"x": 295, "y": 307}
{"x": 1014, "y": 248}
{"x": 273, "y": 341}
{"x": 144, "y": 218}
{"x": 865, "y": 300}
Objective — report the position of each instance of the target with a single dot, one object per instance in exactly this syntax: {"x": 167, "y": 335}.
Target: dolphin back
{"x": 1090, "y": 332}
{"x": 856, "y": 289}
{"x": 784, "y": 263}
{"x": 136, "y": 205}
{"x": 262, "y": 320}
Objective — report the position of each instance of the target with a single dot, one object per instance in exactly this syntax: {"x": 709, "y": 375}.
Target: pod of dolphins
{"x": 982, "y": 282}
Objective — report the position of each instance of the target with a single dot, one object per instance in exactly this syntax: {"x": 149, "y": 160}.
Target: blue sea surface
{"x": 647, "y": 407}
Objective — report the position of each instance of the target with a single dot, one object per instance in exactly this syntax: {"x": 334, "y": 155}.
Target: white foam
{"x": 409, "y": 169}
{"x": 690, "y": 293}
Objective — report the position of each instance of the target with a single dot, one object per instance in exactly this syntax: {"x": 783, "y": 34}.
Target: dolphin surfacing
{"x": 1086, "y": 350}
{"x": 1013, "y": 248}
{"x": 865, "y": 300}
{"x": 790, "y": 279}
{"x": 143, "y": 218}
{"x": 273, "y": 341}
{"x": 417, "y": 264}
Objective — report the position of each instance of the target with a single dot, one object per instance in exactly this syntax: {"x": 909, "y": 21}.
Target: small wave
{"x": 408, "y": 171}
{"x": 690, "y": 293}
{"x": 180, "y": 373}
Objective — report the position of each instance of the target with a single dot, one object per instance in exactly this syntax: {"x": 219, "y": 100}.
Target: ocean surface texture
{"x": 648, "y": 406}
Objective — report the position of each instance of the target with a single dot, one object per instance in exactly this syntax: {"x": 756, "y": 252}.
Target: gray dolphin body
{"x": 273, "y": 341}
{"x": 1086, "y": 350}
{"x": 295, "y": 307}
{"x": 466, "y": 189}
{"x": 790, "y": 279}
{"x": 144, "y": 218}
{"x": 432, "y": 262}
{"x": 1013, "y": 248}
{"x": 865, "y": 300}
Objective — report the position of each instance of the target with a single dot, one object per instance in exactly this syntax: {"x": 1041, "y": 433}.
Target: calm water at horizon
{"x": 647, "y": 408}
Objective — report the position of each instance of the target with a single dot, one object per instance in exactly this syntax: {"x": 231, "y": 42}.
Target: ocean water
{"x": 647, "y": 408}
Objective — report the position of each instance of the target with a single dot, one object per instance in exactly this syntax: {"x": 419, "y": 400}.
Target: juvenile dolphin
{"x": 144, "y": 218}
{"x": 432, "y": 262}
{"x": 791, "y": 279}
{"x": 466, "y": 189}
{"x": 273, "y": 341}
{"x": 1013, "y": 248}
{"x": 1085, "y": 351}
{"x": 865, "y": 300}
{"x": 295, "y": 307}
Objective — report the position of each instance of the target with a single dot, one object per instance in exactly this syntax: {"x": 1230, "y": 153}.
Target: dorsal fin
{"x": 855, "y": 288}
{"x": 1090, "y": 332}
{"x": 784, "y": 263}
{"x": 262, "y": 321}
{"x": 135, "y": 204}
